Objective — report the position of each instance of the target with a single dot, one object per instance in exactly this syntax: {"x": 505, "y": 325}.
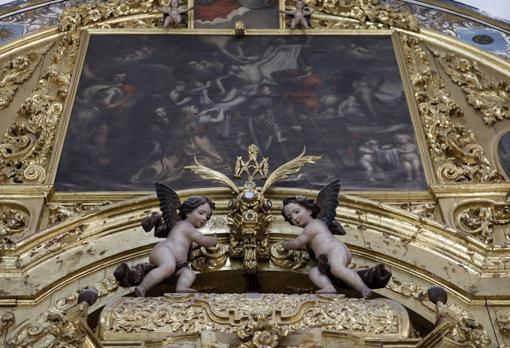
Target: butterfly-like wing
{"x": 169, "y": 202}
{"x": 327, "y": 200}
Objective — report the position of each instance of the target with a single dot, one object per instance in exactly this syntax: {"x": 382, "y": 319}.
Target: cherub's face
{"x": 297, "y": 214}
{"x": 199, "y": 217}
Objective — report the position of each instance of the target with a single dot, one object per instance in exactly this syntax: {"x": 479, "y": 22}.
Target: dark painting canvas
{"x": 146, "y": 105}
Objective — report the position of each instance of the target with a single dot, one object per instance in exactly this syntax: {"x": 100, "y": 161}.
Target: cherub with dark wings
{"x": 317, "y": 218}
{"x": 178, "y": 226}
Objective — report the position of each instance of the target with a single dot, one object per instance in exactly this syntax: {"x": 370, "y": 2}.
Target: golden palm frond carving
{"x": 212, "y": 175}
{"x": 289, "y": 168}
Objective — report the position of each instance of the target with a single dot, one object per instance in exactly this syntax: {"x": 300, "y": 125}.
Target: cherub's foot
{"x": 368, "y": 294}
{"x": 326, "y": 290}
{"x": 140, "y": 291}
{"x": 185, "y": 290}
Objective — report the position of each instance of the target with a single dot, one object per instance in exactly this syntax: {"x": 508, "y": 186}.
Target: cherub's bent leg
{"x": 155, "y": 276}
{"x": 321, "y": 281}
{"x": 293, "y": 23}
{"x": 186, "y": 278}
{"x": 304, "y": 23}
{"x": 350, "y": 277}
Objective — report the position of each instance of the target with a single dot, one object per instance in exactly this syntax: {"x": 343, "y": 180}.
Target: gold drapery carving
{"x": 492, "y": 99}
{"x": 456, "y": 154}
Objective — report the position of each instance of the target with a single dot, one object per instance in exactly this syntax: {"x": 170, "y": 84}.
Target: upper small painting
{"x": 146, "y": 105}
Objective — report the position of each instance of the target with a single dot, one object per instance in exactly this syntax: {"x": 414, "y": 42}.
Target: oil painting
{"x": 147, "y": 105}
{"x": 504, "y": 153}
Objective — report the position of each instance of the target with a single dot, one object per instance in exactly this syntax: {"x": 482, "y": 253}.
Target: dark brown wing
{"x": 169, "y": 202}
{"x": 327, "y": 200}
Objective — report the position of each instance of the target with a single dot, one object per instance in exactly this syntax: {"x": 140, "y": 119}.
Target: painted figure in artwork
{"x": 178, "y": 225}
{"x": 300, "y": 15}
{"x": 172, "y": 15}
{"x": 317, "y": 218}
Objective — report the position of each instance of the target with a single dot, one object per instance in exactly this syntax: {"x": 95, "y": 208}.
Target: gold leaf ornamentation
{"x": 16, "y": 71}
{"x": 291, "y": 167}
{"x": 51, "y": 326}
{"x": 456, "y": 154}
{"x": 102, "y": 288}
{"x": 288, "y": 259}
{"x": 6, "y": 321}
{"x": 230, "y": 313}
{"x": 209, "y": 258}
{"x": 369, "y": 14}
{"x": 212, "y": 175}
{"x": 467, "y": 332}
{"x": 503, "y": 321}
{"x": 261, "y": 331}
{"x": 424, "y": 210}
{"x": 479, "y": 218}
{"x": 14, "y": 219}
{"x": 492, "y": 99}
{"x": 60, "y": 213}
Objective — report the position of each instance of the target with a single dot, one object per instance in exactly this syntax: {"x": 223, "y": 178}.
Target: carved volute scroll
{"x": 491, "y": 98}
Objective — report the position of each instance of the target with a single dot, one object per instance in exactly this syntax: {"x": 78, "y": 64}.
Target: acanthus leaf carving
{"x": 51, "y": 326}
{"x": 467, "y": 332}
{"x": 288, "y": 259}
{"x": 492, "y": 99}
{"x": 60, "y": 213}
{"x": 16, "y": 71}
{"x": 503, "y": 321}
{"x": 479, "y": 218}
{"x": 456, "y": 154}
{"x": 14, "y": 219}
{"x": 367, "y": 14}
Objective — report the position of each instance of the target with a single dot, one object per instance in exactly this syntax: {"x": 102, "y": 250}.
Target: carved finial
{"x": 252, "y": 167}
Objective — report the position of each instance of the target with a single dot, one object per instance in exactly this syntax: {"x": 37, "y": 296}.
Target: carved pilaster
{"x": 457, "y": 157}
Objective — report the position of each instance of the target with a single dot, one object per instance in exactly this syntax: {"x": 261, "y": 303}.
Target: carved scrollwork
{"x": 60, "y": 213}
{"x": 209, "y": 259}
{"x": 479, "y": 218}
{"x": 55, "y": 243}
{"x": 425, "y": 210}
{"x": 230, "y": 313}
{"x": 14, "y": 219}
{"x": 492, "y": 99}
{"x": 261, "y": 331}
{"x": 6, "y": 321}
{"x": 454, "y": 149}
{"x": 102, "y": 288}
{"x": 367, "y": 14}
{"x": 51, "y": 326}
{"x": 17, "y": 70}
{"x": 503, "y": 321}
{"x": 467, "y": 331}
{"x": 288, "y": 259}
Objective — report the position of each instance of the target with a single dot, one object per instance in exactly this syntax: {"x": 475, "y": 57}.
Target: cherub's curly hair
{"x": 303, "y": 201}
{"x": 192, "y": 203}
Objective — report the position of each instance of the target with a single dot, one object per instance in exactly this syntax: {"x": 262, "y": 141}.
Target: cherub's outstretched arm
{"x": 297, "y": 243}
{"x": 288, "y": 12}
{"x": 202, "y": 240}
{"x": 186, "y": 10}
